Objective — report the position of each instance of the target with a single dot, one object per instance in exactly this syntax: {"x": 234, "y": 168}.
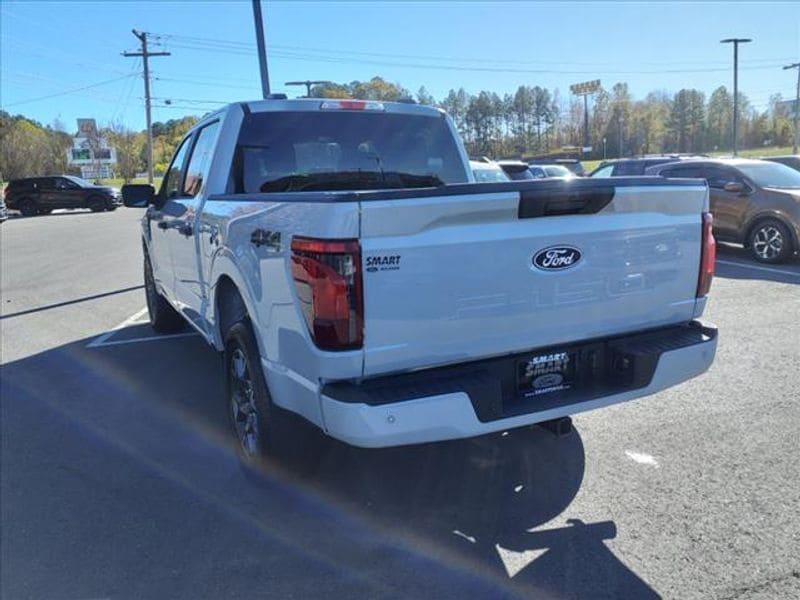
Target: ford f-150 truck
{"x": 341, "y": 256}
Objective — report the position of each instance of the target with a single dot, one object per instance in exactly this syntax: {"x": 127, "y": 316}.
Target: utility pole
{"x": 796, "y": 108}
{"x": 735, "y": 42}
{"x": 145, "y": 54}
{"x": 262, "y": 48}
{"x": 586, "y": 120}
{"x": 308, "y": 84}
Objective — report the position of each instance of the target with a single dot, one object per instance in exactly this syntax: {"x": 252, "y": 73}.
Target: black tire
{"x": 163, "y": 318}
{"x": 111, "y": 207}
{"x": 770, "y": 242}
{"x": 45, "y": 211}
{"x": 262, "y": 430}
{"x": 96, "y": 204}
{"x": 28, "y": 208}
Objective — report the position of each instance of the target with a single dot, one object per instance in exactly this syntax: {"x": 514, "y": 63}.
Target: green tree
{"x": 130, "y": 147}
{"x": 719, "y": 119}
{"x": 424, "y": 97}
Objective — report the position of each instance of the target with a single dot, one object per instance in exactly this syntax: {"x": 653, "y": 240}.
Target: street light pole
{"x": 735, "y": 42}
{"x": 796, "y": 142}
{"x": 262, "y": 48}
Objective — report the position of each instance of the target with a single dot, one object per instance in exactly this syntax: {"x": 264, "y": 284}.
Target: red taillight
{"x": 327, "y": 275}
{"x": 351, "y": 105}
{"x": 708, "y": 256}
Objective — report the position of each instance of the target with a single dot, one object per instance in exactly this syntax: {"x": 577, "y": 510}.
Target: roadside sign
{"x": 584, "y": 88}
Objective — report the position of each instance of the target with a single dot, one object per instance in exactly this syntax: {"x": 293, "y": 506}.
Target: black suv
{"x": 40, "y": 195}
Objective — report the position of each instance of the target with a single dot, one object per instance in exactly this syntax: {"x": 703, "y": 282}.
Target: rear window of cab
{"x": 302, "y": 150}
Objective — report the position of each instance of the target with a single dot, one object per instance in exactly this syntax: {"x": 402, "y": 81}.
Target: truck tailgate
{"x": 454, "y": 277}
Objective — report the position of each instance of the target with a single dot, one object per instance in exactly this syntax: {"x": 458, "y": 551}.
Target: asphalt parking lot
{"x": 118, "y": 478}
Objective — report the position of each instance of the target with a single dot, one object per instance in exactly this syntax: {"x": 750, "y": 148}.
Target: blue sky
{"x": 52, "y": 47}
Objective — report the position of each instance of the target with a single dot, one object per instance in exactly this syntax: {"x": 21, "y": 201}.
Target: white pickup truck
{"x": 341, "y": 256}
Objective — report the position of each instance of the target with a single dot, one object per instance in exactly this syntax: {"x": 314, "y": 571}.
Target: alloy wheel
{"x": 768, "y": 242}
{"x": 242, "y": 404}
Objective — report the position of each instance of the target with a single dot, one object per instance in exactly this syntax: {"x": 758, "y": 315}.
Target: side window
{"x": 628, "y": 167}
{"x": 537, "y": 173}
{"x": 47, "y": 183}
{"x": 171, "y": 185}
{"x": 717, "y": 178}
{"x": 200, "y": 160}
{"x": 65, "y": 184}
{"x": 604, "y": 172}
{"x": 687, "y": 172}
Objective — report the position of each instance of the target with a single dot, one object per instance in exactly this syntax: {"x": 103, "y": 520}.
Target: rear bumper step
{"x": 480, "y": 397}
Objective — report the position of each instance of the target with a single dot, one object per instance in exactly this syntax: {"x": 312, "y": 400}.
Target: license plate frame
{"x": 546, "y": 373}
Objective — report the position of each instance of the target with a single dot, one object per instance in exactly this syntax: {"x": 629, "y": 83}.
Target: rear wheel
{"x": 262, "y": 429}
{"x": 45, "y": 211}
{"x": 163, "y": 318}
{"x": 96, "y": 204}
{"x": 770, "y": 241}
{"x": 28, "y": 207}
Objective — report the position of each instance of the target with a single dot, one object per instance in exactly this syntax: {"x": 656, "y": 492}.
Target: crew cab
{"x": 341, "y": 256}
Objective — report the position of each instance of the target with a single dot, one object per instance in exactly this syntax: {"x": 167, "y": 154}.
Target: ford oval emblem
{"x": 556, "y": 258}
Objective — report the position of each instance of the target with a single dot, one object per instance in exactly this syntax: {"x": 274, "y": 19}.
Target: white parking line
{"x": 148, "y": 339}
{"x": 101, "y": 340}
{"x": 758, "y": 268}
{"x": 641, "y": 458}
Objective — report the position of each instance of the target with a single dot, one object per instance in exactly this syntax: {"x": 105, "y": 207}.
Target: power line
{"x": 204, "y": 83}
{"x": 198, "y": 43}
{"x": 71, "y": 91}
{"x": 330, "y": 58}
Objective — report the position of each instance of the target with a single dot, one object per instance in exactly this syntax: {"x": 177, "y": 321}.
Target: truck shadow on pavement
{"x": 124, "y": 452}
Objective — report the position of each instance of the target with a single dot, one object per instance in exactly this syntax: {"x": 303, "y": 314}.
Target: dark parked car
{"x": 790, "y": 160}
{"x": 518, "y": 170}
{"x": 629, "y": 167}
{"x": 573, "y": 164}
{"x": 40, "y": 195}
{"x": 753, "y": 202}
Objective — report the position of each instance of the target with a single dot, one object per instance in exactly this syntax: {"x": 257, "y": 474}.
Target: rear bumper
{"x": 478, "y": 398}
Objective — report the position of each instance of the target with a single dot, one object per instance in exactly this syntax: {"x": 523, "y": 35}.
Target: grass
{"x": 758, "y": 152}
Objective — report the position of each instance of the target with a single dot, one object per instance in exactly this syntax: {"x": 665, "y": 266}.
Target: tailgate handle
{"x": 550, "y": 203}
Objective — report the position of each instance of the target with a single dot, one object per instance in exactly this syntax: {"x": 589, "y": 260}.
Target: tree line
{"x": 532, "y": 120}
{"x": 30, "y": 149}
{"x": 535, "y": 120}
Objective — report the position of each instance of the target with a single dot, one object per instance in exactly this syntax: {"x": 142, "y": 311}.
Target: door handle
{"x": 184, "y": 228}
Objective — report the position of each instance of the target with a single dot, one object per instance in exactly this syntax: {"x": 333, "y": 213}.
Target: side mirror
{"x": 734, "y": 187}
{"x": 138, "y": 195}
